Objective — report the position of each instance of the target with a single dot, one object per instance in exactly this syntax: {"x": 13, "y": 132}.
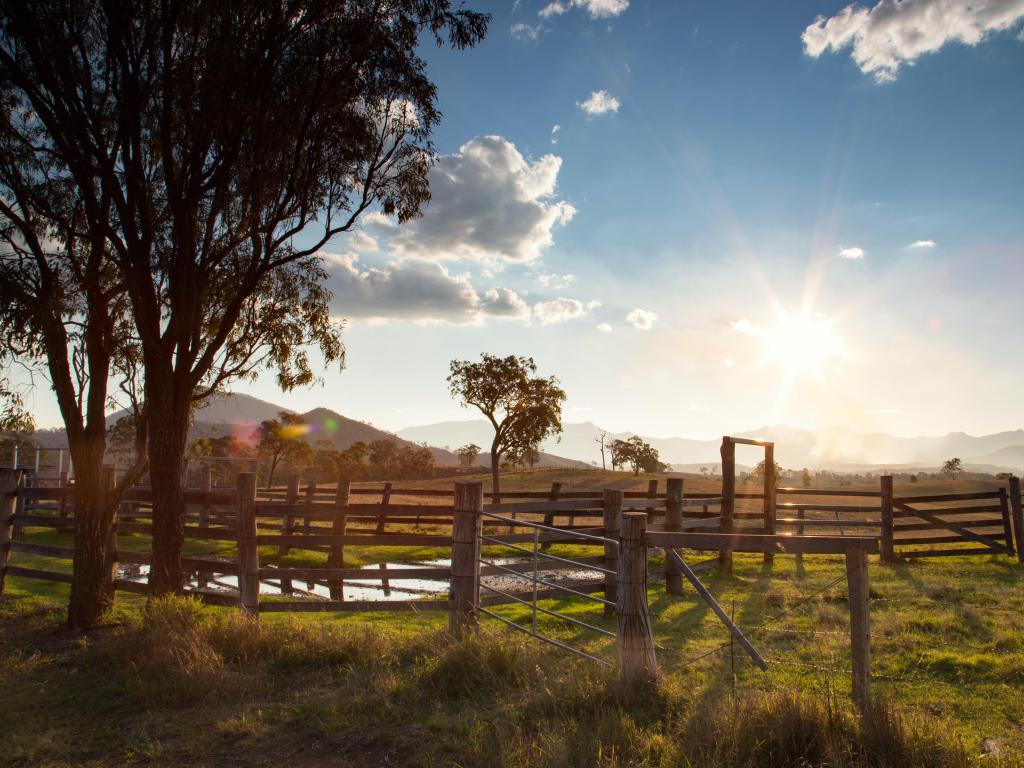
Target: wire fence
{"x": 533, "y": 580}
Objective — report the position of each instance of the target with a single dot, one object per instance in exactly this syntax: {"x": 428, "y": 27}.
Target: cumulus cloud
{"x": 598, "y": 9}
{"x": 851, "y": 253}
{"x": 604, "y": 327}
{"x": 488, "y": 202}
{"x": 922, "y": 244}
{"x": 599, "y": 103}
{"x": 413, "y": 289}
{"x": 558, "y": 310}
{"x": 896, "y": 32}
{"x": 360, "y": 241}
{"x": 522, "y": 31}
{"x": 641, "y": 319}
{"x": 554, "y": 133}
{"x": 555, "y": 280}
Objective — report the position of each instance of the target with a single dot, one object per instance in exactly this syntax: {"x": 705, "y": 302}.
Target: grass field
{"x": 184, "y": 685}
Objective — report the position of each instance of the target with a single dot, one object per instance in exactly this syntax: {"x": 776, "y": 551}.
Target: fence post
{"x": 1017, "y": 511}
{"x": 860, "y": 628}
{"x": 248, "y": 551}
{"x": 110, "y": 571}
{"x": 10, "y": 481}
{"x": 1004, "y": 511}
{"x": 288, "y": 524}
{"x": 612, "y": 515}
{"x": 673, "y": 522}
{"x": 635, "y": 639}
{"x": 205, "y": 486}
{"x": 464, "y": 587}
{"x": 385, "y": 499}
{"x": 770, "y": 483}
{"x": 887, "y": 551}
{"x": 728, "y": 499}
{"x": 549, "y": 516}
{"x": 336, "y": 557}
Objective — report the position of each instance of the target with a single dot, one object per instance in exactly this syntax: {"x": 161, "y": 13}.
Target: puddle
{"x": 371, "y": 588}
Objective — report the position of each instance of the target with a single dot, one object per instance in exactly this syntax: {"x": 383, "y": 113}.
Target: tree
{"x": 600, "y": 440}
{"x": 467, "y": 455}
{"x": 384, "y": 458}
{"x": 281, "y": 439}
{"x": 523, "y": 409}
{"x": 758, "y": 474}
{"x": 952, "y": 467}
{"x": 805, "y": 476}
{"x": 122, "y": 441}
{"x": 220, "y": 447}
{"x": 196, "y": 157}
{"x": 639, "y": 455}
{"x": 415, "y": 462}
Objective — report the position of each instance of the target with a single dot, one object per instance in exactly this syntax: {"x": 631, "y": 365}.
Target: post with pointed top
{"x": 464, "y": 587}
{"x": 635, "y": 638}
{"x": 887, "y": 550}
{"x": 336, "y": 558}
{"x": 728, "y": 499}
{"x": 1017, "y": 513}
{"x": 248, "y": 551}
{"x": 10, "y": 481}
{"x": 770, "y": 483}
{"x": 612, "y": 517}
{"x": 673, "y": 522}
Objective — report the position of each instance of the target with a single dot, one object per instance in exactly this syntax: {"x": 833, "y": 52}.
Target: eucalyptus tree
{"x": 212, "y": 149}
{"x": 524, "y": 409}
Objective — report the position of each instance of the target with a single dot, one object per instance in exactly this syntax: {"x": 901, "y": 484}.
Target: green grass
{"x": 178, "y": 684}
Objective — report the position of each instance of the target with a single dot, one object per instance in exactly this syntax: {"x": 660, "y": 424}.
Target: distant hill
{"x": 837, "y": 448}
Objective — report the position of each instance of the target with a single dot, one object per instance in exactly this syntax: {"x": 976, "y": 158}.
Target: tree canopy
{"x": 638, "y": 454}
{"x": 524, "y": 409}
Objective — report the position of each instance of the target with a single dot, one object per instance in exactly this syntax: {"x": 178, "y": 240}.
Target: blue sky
{"x": 807, "y": 213}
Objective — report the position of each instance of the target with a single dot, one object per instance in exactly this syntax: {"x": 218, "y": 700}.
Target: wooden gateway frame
{"x": 729, "y": 493}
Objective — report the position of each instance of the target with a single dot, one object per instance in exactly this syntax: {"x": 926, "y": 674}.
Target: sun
{"x": 802, "y": 343}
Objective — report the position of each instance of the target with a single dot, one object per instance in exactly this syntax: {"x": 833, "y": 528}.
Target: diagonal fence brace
{"x": 708, "y": 598}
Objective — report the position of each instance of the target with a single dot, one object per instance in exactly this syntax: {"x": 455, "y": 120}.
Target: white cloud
{"x": 488, "y": 203}
{"x": 922, "y": 244}
{"x": 558, "y": 310}
{"x": 412, "y": 289}
{"x": 1020, "y": 35}
{"x": 522, "y": 31}
{"x": 602, "y": 9}
{"x": 852, "y": 253}
{"x": 642, "y": 319}
{"x": 599, "y": 103}
{"x": 897, "y": 32}
{"x": 555, "y": 281}
{"x": 360, "y": 241}
{"x": 604, "y": 327}
{"x": 553, "y": 9}
{"x": 746, "y": 327}
{"x": 554, "y": 133}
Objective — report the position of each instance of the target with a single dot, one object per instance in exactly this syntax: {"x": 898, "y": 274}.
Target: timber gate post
{"x": 673, "y": 522}
{"x": 860, "y": 626}
{"x": 549, "y": 515}
{"x": 887, "y": 550}
{"x": 336, "y": 557}
{"x": 612, "y": 516}
{"x": 248, "y": 551}
{"x": 635, "y": 639}
{"x": 110, "y": 570}
{"x": 464, "y": 587}
{"x": 291, "y": 498}
{"x": 206, "y": 487}
{"x": 1017, "y": 512}
{"x": 10, "y": 481}
{"x": 728, "y": 499}
{"x": 770, "y": 483}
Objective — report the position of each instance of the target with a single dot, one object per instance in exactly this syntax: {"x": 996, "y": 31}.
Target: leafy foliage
{"x": 523, "y": 409}
{"x": 467, "y": 454}
{"x": 638, "y": 454}
{"x": 952, "y": 467}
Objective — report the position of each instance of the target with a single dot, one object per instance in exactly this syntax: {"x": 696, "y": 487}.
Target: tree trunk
{"x": 495, "y": 489}
{"x": 168, "y": 435}
{"x": 92, "y": 593}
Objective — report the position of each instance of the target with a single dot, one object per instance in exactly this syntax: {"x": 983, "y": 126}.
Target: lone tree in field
{"x": 523, "y": 408}
{"x": 279, "y": 440}
{"x": 639, "y": 455}
{"x": 467, "y": 455}
{"x": 952, "y": 467}
{"x": 758, "y": 474}
{"x": 170, "y": 173}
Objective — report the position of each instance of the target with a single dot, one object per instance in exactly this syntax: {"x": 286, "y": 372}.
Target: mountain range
{"x": 836, "y": 448}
